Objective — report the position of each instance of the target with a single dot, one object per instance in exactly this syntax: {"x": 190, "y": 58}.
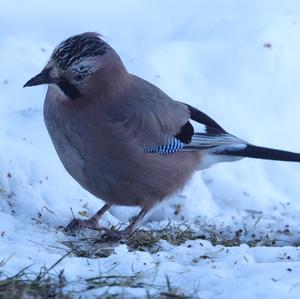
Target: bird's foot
{"x": 78, "y": 224}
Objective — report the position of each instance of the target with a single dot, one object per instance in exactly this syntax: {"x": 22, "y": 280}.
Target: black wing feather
{"x": 187, "y": 131}
{"x": 211, "y": 126}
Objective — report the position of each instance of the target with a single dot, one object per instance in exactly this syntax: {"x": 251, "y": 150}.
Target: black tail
{"x": 252, "y": 151}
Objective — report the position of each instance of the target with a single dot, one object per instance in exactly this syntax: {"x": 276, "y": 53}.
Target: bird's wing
{"x": 162, "y": 125}
{"x": 212, "y": 136}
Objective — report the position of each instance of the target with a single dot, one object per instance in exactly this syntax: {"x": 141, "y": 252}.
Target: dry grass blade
{"x": 21, "y": 286}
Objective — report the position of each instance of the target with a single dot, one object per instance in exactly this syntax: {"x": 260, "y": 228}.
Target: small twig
{"x": 256, "y": 222}
{"x": 20, "y": 273}
{"x": 39, "y": 277}
{"x": 72, "y": 213}
{"x": 47, "y": 210}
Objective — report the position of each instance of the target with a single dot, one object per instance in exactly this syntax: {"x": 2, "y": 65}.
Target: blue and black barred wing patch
{"x": 173, "y": 146}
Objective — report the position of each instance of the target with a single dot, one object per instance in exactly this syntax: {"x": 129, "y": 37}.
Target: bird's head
{"x": 72, "y": 62}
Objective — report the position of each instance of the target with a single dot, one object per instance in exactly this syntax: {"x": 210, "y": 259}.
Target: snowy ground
{"x": 239, "y": 62}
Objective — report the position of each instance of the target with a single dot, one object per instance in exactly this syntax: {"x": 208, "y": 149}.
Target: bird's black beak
{"x": 42, "y": 78}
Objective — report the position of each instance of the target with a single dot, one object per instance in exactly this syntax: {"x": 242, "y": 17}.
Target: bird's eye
{"x": 79, "y": 76}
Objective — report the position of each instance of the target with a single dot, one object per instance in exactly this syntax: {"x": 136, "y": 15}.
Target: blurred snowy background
{"x": 237, "y": 61}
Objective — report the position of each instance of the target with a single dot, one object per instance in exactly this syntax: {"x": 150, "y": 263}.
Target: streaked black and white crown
{"x": 78, "y": 47}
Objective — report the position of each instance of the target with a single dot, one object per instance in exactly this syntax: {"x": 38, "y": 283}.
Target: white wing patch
{"x": 198, "y": 127}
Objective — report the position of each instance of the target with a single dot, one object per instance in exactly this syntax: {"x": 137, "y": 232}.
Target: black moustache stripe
{"x": 69, "y": 89}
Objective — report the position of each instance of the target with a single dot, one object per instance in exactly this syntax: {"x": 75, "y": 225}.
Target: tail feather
{"x": 252, "y": 151}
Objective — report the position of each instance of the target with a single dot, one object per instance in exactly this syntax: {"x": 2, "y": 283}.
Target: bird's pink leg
{"x": 133, "y": 225}
{"x": 92, "y": 223}
{"x": 111, "y": 235}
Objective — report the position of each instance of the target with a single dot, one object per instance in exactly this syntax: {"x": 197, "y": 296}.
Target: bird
{"x": 122, "y": 138}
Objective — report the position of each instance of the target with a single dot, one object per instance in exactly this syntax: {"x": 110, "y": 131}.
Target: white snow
{"x": 238, "y": 61}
